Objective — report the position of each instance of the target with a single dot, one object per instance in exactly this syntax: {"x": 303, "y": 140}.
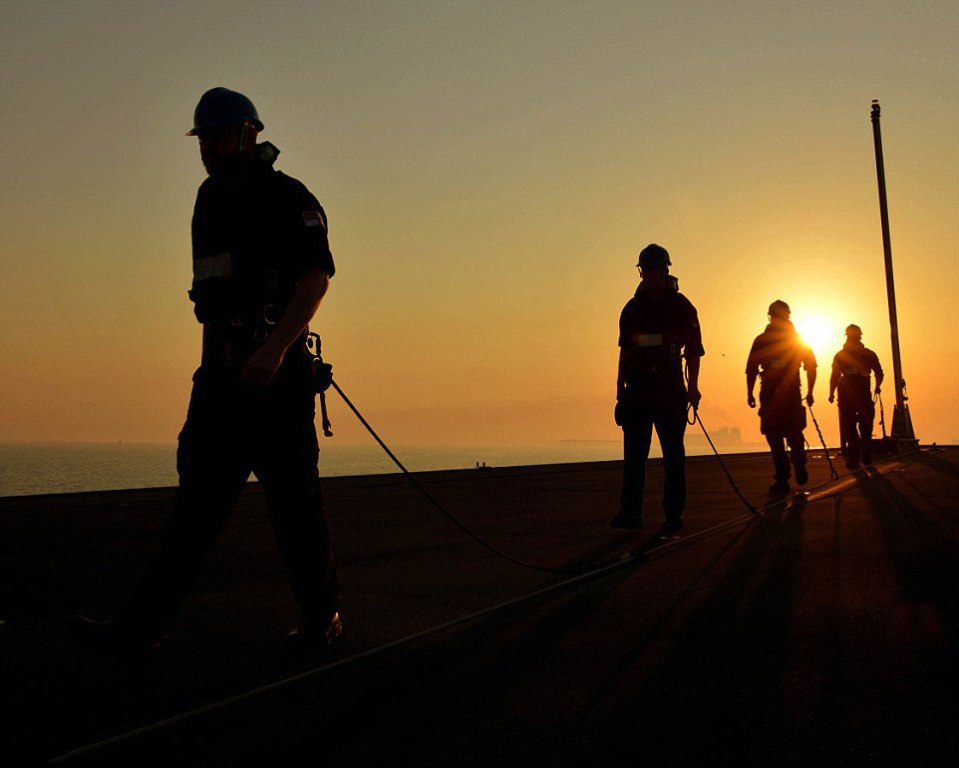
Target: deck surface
{"x": 822, "y": 632}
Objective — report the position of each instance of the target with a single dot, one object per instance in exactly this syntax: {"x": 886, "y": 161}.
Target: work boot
{"x": 802, "y": 475}
{"x": 627, "y": 520}
{"x": 672, "y": 528}
{"x": 779, "y": 488}
{"x": 315, "y": 639}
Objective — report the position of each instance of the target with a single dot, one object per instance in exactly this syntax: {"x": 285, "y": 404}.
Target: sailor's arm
{"x": 877, "y": 369}
{"x": 752, "y": 373}
{"x": 692, "y": 371}
{"x": 834, "y": 381}
{"x": 620, "y": 376}
{"x": 211, "y": 354}
{"x": 693, "y": 351}
{"x": 810, "y": 383}
{"x": 750, "y": 386}
{"x": 307, "y": 295}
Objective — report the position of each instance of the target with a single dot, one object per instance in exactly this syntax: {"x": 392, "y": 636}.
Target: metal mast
{"x": 901, "y": 421}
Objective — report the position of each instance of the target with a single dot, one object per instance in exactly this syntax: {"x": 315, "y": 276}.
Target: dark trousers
{"x": 855, "y": 420}
{"x": 777, "y": 439}
{"x": 638, "y": 423}
{"x": 782, "y": 418}
{"x": 229, "y": 432}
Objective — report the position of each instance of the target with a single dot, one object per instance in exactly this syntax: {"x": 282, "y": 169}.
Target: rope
{"x": 882, "y": 413}
{"x": 832, "y": 469}
{"x": 545, "y": 569}
{"x": 695, "y": 411}
{"x": 583, "y": 570}
{"x": 429, "y": 497}
{"x": 729, "y": 476}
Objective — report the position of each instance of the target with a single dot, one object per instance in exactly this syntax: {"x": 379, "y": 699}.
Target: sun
{"x": 820, "y": 332}
{"x": 814, "y": 330}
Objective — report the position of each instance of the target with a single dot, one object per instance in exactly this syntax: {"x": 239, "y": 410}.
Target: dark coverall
{"x": 254, "y": 236}
{"x": 775, "y": 356}
{"x": 654, "y": 335}
{"x": 850, "y": 375}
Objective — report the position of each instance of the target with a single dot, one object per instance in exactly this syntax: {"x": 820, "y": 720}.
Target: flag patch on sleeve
{"x": 313, "y": 219}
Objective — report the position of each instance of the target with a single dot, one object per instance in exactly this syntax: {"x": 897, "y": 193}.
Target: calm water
{"x": 33, "y": 468}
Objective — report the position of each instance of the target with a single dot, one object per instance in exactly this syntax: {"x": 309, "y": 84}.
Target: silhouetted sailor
{"x": 658, "y": 327}
{"x": 776, "y": 356}
{"x": 261, "y": 266}
{"x": 850, "y": 375}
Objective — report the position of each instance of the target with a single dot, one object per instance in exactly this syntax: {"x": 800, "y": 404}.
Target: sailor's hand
{"x": 810, "y": 399}
{"x": 832, "y": 397}
{"x": 878, "y": 390}
{"x": 261, "y": 367}
{"x": 751, "y": 400}
{"x": 694, "y": 396}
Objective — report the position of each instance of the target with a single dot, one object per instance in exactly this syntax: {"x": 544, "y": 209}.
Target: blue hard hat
{"x": 221, "y": 106}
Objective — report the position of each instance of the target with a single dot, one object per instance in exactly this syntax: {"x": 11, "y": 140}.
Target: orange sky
{"x": 490, "y": 172}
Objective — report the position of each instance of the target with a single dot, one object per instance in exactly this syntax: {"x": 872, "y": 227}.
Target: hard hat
{"x": 779, "y": 308}
{"x": 653, "y": 255}
{"x": 853, "y": 330}
{"x": 221, "y": 106}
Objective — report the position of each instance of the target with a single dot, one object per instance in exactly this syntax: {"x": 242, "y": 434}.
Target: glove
{"x": 322, "y": 375}
{"x": 694, "y": 396}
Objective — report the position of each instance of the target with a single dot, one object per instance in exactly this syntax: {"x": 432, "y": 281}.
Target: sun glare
{"x": 821, "y": 333}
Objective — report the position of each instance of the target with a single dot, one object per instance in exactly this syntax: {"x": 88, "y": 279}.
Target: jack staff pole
{"x": 903, "y": 421}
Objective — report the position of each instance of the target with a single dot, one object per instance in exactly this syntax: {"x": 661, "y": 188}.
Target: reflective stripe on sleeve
{"x": 220, "y": 265}
{"x": 648, "y": 339}
{"x": 313, "y": 219}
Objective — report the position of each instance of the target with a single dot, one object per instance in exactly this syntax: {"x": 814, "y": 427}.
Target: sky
{"x": 490, "y": 172}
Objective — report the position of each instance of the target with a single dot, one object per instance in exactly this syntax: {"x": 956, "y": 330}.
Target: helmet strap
{"x": 247, "y": 142}
{"x": 244, "y": 139}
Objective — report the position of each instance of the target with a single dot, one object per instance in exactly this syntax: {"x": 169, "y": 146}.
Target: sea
{"x": 41, "y": 468}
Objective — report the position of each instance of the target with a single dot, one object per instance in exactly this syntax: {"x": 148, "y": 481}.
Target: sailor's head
{"x": 653, "y": 255}
{"x": 779, "y": 310}
{"x": 853, "y": 332}
{"x": 653, "y": 266}
{"x": 227, "y": 124}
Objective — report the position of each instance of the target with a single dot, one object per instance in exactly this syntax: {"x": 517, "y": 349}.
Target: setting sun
{"x": 823, "y": 333}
